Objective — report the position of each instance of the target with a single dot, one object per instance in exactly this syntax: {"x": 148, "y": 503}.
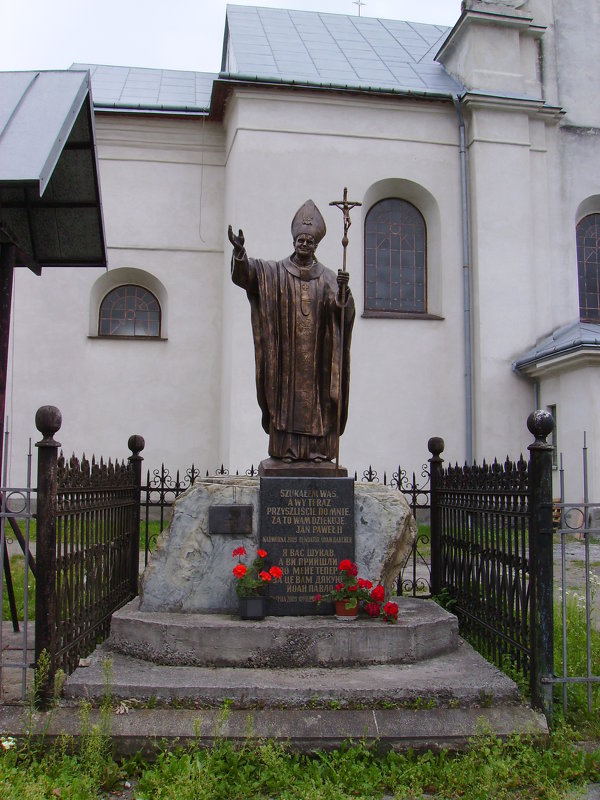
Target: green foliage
{"x": 154, "y": 530}
{"x": 17, "y": 571}
{"x": 517, "y": 769}
{"x": 445, "y": 600}
{"x": 578, "y": 714}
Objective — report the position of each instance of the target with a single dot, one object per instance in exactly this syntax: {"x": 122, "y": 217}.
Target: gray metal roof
{"x": 566, "y": 339}
{"x": 283, "y": 46}
{"x": 334, "y": 50}
{"x": 139, "y": 89}
{"x": 49, "y": 192}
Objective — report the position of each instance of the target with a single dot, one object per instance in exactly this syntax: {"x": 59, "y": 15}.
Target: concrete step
{"x": 424, "y": 630}
{"x": 151, "y": 730}
{"x": 459, "y": 678}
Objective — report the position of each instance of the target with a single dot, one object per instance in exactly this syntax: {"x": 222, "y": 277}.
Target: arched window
{"x": 129, "y": 311}
{"x": 588, "y": 267}
{"x": 395, "y": 258}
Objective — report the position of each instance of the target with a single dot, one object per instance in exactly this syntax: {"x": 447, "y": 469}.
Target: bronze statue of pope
{"x": 296, "y": 313}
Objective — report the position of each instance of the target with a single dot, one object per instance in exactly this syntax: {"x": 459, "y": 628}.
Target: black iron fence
{"x": 491, "y": 555}
{"x": 88, "y": 519}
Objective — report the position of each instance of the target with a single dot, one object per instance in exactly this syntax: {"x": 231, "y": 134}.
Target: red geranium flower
{"x": 339, "y": 587}
{"x": 239, "y": 551}
{"x": 353, "y": 588}
{"x": 378, "y": 594}
{"x": 239, "y": 570}
{"x": 353, "y": 570}
{"x": 261, "y": 553}
{"x": 345, "y": 565}
{"x": 318, "y": 597}
{"x": 365, "y": 584}
{"x": 276, "y": 572}
{"x": 264, "y": 576}
{"x": 373, "y": 609}
{"x": 390, "y": 611}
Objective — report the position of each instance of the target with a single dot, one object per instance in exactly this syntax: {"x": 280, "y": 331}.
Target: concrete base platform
{"x": 461, "y": 677}
{"x": 150, "y": 730}
{"x": 424, "y": 630}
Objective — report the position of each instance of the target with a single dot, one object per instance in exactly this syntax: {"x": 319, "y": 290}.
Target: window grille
{"x": 129, "y": 311}
{"x": 588, "y": 267}
{"x": 395, "y": 258}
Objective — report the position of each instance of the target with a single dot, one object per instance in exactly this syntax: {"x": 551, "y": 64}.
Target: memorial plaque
{"x": 230, "y": 520}
{"x": 307, "y": 528}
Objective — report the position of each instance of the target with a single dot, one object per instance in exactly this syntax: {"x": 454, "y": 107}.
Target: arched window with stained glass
{"x": 130, "y": 311}
{"x": 588, "y": 267}
{"x": 395, "y": 258}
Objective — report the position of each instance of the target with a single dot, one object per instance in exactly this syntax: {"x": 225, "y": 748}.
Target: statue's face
{"x": 304, "y": 245}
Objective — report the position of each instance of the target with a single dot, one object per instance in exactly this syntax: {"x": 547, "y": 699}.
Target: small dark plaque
{"x": 307, "y": 528}
{"x": 233, "y": 520}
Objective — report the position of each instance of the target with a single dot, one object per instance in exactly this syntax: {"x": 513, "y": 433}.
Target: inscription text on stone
{"x": 307, "y": 527}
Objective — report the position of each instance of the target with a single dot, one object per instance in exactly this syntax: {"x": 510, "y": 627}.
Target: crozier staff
{"x": 296, "y": 316}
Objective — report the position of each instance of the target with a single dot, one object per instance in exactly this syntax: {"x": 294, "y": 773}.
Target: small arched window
{"x": 395, "y": 258}
{"x": 129, "y": 311}
{"x": 588, "y": 267}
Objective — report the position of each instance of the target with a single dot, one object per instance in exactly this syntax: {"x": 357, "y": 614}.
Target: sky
{"x": 169, "y": 34}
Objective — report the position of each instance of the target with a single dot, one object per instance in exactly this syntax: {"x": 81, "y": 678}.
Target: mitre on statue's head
{"x": 308, "y": 219}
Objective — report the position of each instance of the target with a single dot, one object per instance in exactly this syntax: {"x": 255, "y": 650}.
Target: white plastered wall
{"x": 407, "y": 375}
{"x": 162, "y": 188}
{"x": 575, "y": 391}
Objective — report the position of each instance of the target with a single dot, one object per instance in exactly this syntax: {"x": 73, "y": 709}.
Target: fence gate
{"x": 577, "y": 551}
{"x": 16, "y": 637}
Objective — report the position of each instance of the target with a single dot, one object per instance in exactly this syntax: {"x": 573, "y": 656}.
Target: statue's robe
{"x": 296, "y": 324}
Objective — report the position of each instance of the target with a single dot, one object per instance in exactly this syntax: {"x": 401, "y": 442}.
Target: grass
{"x": 513, "y": 770}
{"x": 154, "y": 528}
{"x": 17, "y": 569}
{"x": 588, "y": 722}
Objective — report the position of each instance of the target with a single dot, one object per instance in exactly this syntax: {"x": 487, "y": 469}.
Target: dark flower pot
{"x": 344, "y": 613}
{"x": 253, "y": 607}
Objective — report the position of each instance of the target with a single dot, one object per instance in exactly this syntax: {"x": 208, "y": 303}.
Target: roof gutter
{"x": 227, "y": 81}
{"x": 151, "y": 108}
{"x": 467, "y": 348}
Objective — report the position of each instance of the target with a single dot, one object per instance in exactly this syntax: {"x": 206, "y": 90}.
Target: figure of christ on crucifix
{"x": 302, "y": 316}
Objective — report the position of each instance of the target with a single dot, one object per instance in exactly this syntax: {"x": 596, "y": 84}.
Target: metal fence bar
{"x": 588, "y": 598}
{"x": 541, "y": 424}
{"x": 48, "y": 421}
{"x": 563, "y": 576}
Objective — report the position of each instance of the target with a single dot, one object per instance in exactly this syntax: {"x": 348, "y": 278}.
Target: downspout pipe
{"x": 468, "y": 352}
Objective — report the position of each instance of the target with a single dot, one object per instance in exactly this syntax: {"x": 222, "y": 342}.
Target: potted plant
{"x": 349, "y": 591}
{"x": 252, "y": 582}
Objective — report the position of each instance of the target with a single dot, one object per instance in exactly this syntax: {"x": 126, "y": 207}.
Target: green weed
{"x": 518, "y": 769}
{"x": 17, "y": 571}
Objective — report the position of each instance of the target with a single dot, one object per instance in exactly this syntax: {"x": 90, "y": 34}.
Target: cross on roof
{"x": 358, "y": 3}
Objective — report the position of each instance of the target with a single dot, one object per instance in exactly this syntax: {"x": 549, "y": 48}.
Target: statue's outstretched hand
{"x": 236, "y": 241}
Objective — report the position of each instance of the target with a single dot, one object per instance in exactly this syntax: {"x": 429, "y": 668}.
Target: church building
{"x": 474, "y": 257}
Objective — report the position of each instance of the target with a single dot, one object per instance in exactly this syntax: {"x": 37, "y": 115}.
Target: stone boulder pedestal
{"x": 191, "y": 568}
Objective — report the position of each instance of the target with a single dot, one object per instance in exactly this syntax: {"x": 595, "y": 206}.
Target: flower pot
{"x": 253, "y": 607}
{"x": 343, "y": 613}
